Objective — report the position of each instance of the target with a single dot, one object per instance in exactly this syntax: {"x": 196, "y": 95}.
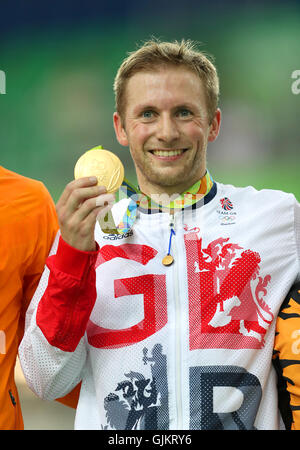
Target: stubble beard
{"x": 188, "y": 173}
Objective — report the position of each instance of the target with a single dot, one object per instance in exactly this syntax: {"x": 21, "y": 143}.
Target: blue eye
{"x": 147, "y": 114}
{"x": 184, "y": 113}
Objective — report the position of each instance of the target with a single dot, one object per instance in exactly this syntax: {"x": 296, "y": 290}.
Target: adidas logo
{"x": 114, "y": 237}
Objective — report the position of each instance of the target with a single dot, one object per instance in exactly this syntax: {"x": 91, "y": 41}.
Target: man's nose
{"x": 167, "y": 130}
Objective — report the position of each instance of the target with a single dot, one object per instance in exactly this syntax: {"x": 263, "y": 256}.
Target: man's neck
{"x": 162, "y": 202}
{"x": 188, "y": 196}
{"x": 165, "y": 194}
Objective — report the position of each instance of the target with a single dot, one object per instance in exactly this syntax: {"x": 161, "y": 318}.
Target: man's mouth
{"x": 168, "y": 153}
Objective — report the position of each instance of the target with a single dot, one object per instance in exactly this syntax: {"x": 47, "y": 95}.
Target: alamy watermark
{"x": 296, "y": 84}
{"x": 295, "y": 87}
{"x": 2, "y": 82}
{"x": 2, "y": 342}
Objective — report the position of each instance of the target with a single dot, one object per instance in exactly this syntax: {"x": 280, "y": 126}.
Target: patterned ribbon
{"x": 142, "y": 201}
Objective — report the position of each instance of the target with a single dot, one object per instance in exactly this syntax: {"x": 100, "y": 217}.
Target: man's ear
{"x": 120, "y": 130}
{"x": 215, "y": 126}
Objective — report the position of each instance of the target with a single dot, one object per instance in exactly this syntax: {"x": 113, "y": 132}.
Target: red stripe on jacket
{"x": 69, "y": 298}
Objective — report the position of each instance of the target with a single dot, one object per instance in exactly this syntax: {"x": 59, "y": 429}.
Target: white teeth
{"x": 167, "y": 152}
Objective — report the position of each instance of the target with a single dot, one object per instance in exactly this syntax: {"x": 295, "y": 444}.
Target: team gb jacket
{"x": 184, "y": 346}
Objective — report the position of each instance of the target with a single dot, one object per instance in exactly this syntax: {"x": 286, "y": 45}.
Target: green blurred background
{"x": 60, "y": 59}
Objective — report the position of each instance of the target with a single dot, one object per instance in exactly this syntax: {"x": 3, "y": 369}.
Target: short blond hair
{"x": 154, "y": 54}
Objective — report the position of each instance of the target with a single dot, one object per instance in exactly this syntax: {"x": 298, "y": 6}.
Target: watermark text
{"x": 2, "y": 342}
{"x": 296, "y": 84}
{"x": 2, "y": 82}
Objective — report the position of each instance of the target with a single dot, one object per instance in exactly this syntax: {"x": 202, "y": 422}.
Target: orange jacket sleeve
{"x": 287, "y": 358}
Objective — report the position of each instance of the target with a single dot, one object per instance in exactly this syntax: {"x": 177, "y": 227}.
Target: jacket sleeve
{"x": 287, "y": 358}
{"x": 42, "y": 226}
{"x": 52, "y": 352}
{"x": 297, "y": 234}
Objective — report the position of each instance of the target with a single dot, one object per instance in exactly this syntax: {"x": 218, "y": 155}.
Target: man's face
{"x": 166, "y": 127}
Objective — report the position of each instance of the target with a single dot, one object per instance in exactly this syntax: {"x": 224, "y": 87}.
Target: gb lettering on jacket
{"x": 226, "y": 293}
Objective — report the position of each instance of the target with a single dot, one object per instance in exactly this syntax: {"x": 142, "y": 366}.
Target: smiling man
{"x": 166, "y": 125}
{"x": 169, "y": 323}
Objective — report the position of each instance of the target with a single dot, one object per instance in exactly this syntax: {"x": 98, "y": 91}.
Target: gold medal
{"x": 104, "y": 165}
{"x": 167, "y": 260}
{"x": 109, "y": 170}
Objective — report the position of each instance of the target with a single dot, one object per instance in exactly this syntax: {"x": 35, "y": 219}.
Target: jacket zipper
{"x": 178, "y": 356}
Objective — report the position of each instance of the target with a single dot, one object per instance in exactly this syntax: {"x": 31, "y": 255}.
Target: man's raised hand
{"x": 80, "y": 204}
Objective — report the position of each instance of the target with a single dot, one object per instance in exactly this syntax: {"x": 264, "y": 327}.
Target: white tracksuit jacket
{"x": 185, "y": 346}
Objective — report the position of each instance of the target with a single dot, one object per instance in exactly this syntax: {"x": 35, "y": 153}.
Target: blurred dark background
{"x": 60, "y": 59}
